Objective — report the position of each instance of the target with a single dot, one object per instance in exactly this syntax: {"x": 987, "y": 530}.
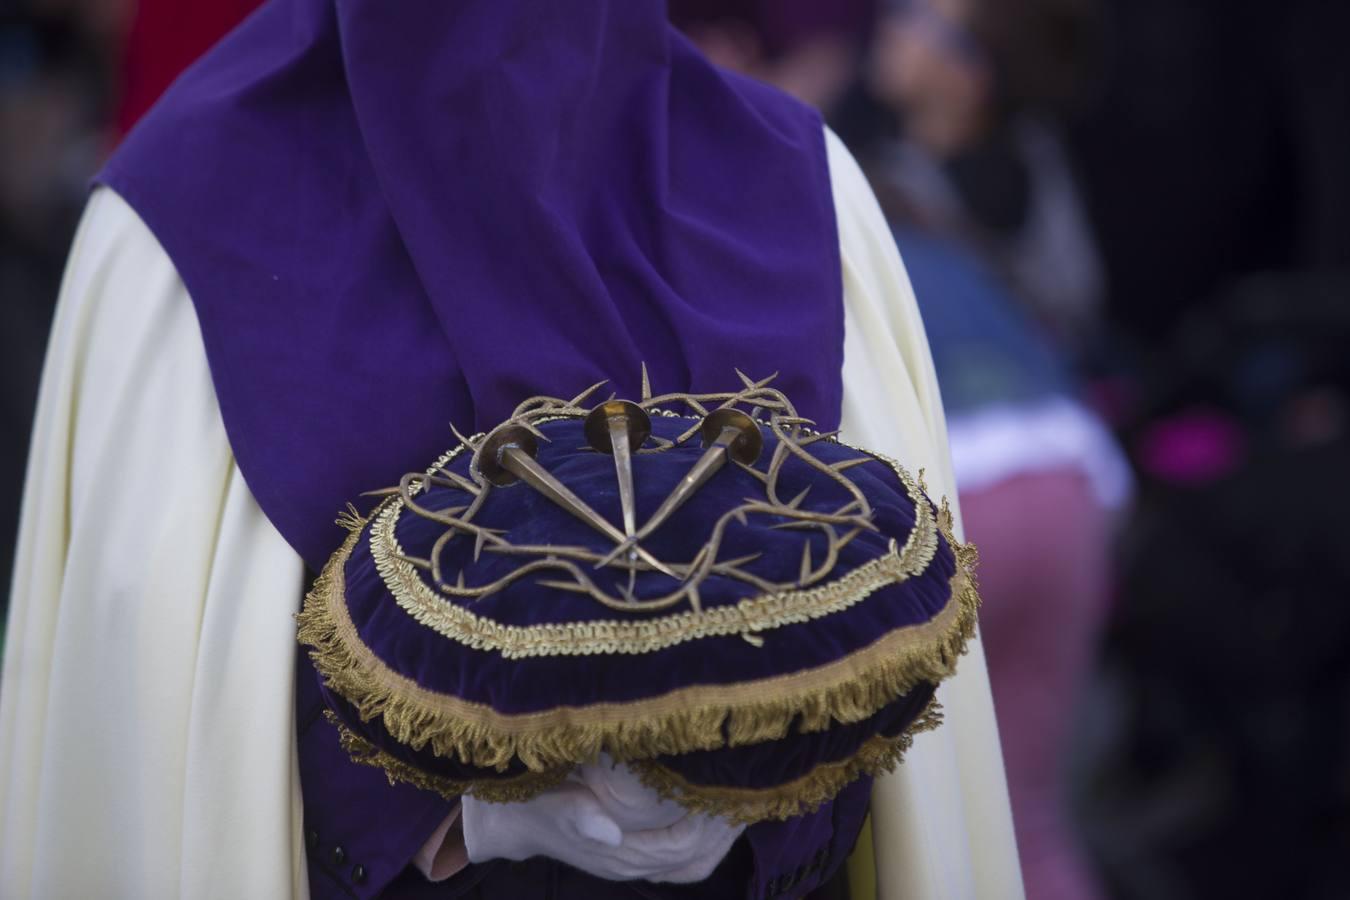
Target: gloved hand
{"x": 605, "y": 822}
{"x": 625, "y": 799}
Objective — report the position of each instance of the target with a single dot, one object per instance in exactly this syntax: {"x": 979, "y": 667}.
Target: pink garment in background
{"x": 1044, "y": 576}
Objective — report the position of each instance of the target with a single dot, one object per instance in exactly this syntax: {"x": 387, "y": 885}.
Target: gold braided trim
{"x": 501, "y": 790}
{"x": 681, "y": 721}
{"x": 751, "y": 615}
{"x": 797, "y": 797}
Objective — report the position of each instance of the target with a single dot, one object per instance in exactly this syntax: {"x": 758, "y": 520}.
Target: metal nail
{"x": 727, "y": 434}
{"x": 507, "y": 455}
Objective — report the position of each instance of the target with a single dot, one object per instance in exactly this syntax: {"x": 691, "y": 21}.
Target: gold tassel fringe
{"x": 498, "y": 790}
{"x": 682, "y": 721}
{"x": 797, "y": 797}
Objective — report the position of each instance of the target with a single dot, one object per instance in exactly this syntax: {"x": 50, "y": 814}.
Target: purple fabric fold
{"x": 394, "y": 217}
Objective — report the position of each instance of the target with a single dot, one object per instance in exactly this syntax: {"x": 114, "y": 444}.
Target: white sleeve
{"x": 941, "y": 824}
{"x": 147, "y": 691}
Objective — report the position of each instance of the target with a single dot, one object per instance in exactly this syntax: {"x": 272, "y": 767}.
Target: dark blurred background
{"x": 1128, "y": 224}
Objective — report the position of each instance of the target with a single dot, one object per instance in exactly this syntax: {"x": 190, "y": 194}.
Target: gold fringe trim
{"x": 681, "y": 721}
{"x": 501, "y": 790}
{"x": 797, "y": 797}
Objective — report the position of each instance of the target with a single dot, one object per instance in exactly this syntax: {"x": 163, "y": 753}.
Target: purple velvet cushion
{"x": 759, "y": 704}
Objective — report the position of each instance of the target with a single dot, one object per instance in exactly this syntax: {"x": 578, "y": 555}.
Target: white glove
{"x": 629, "y": 802}
{"x": 605, "y": 822}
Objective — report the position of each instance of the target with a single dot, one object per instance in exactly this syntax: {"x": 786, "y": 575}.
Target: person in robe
{"x": 345, "y": 227}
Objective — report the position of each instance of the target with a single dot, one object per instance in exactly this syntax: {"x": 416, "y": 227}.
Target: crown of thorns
{"x": 730, "y": 426}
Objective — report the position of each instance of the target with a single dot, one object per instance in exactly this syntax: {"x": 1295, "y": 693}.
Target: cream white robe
{"x": 147, "y": 742}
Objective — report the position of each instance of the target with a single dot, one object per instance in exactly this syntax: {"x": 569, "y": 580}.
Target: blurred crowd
{"x": 1128, "y": 226}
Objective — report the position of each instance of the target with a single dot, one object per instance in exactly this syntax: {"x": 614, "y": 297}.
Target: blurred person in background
{"x": 953, "y": 119}
{"x": 1214, "y": 170}
{"x": 962, "y": 142}
{"x": 967, "y": 159}
{"x": 1042, "y": 485}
